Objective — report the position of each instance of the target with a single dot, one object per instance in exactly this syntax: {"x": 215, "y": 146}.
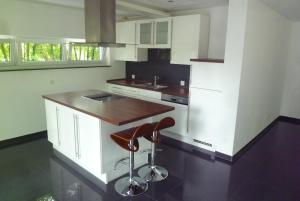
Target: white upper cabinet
{"x": 190, "y": 38}
{"x": 155, "y": 33}
{"x": 126, "y": 34}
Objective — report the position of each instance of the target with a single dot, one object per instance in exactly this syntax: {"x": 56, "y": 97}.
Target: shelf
{"x": 208, "y": 60}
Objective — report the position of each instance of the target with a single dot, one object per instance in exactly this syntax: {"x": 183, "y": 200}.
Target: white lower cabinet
{"x": 88, "y": 135}
{"x": 52, "y": 123}
{"x": 205, "y": 116}
{"x": 180, "y": 115}
{"x": 76, "y": 135}
{"x": 67, "y": 132}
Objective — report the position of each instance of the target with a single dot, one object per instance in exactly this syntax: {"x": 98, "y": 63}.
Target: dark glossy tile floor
{"x": 269, "y": 171}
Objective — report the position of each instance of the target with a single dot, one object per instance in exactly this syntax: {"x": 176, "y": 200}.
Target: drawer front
{"x": 122, "y": 90}
{"x": 133, "y": 92}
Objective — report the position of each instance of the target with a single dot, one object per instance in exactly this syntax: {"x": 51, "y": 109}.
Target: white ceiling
{"x": 177, "y": 5}
{"x": 288, "y": 8}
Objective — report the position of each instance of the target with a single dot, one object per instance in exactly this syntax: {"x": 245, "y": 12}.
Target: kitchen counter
{"x": 170, "y": 90}
{"x": 117, "y": 112}
{"x": 79, "y": 126}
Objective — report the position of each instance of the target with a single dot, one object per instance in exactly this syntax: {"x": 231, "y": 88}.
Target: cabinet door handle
{"x": 75, "y": 134}
{"x": 153, "y": 39}
{"x": 78, "y": 137}
{"x": 58, "y": 126}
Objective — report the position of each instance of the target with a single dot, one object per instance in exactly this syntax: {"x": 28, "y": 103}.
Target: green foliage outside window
{"x": 45, "y": 198}
{"x": 5, "y": 52}
{"x": 85, "y": 53}
{"x": 41, "y": 52}
{"x": 20, "y": 54}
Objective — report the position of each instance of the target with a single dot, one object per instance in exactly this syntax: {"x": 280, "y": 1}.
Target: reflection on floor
{"x": 269, "y": 171}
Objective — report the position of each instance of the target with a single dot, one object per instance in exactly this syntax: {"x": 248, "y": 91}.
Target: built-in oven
{"x": 175, "y": 99}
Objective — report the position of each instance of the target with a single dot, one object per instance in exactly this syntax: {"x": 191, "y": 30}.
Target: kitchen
{"x": 206, "y": 78}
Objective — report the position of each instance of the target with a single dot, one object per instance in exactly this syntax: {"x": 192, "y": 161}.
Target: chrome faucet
{"x": 156, "y": 78}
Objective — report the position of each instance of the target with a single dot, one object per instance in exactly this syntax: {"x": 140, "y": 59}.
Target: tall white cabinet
{"x": 190, "y": 38}
{"x": 206, "y": 107}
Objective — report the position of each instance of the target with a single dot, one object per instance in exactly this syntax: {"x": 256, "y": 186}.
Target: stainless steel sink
{"x": 103, "y": 97}
{"x": 160, "y": 86}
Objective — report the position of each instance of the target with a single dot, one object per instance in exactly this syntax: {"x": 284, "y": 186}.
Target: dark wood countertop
{"x": 171, "y": 90}
{"x": 118, "y": 112}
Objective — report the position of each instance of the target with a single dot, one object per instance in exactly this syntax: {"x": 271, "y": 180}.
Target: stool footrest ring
{"x": 135, "y": 187}
{"x": 153, "y": 173}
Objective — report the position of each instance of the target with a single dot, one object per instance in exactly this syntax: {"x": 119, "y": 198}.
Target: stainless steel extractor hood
{"x": 100, "y": 23}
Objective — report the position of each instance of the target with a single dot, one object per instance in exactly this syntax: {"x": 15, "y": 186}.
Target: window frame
{"x": 10, "y": 40}
{"x": 20, "y": 62}
{"x": 16, "y": 63}
{"x": 72, "y": 41}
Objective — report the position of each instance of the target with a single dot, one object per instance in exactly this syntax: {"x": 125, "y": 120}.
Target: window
{"x": 41, "y": 52}
{"x": 85, "y": 53}
{"x": 5, "y": 52}
{"x": 22, "y": 53}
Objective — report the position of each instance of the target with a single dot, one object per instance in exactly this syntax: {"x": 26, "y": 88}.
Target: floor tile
{"x": 269, "y": 171}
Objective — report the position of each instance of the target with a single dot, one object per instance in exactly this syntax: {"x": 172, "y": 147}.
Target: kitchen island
{"x": 79, "y": 125}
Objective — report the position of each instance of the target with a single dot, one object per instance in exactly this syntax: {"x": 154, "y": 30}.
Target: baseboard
{"x": 220, "y": 156}
{"x": 254, "y": 140}
{"x": 203, "y": 153}
{"x": 289, "y": 119}
{"x": 23, "y": 139}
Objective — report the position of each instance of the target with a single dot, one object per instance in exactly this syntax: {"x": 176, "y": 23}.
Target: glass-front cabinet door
{"x": 162, "y": 38}
{"x": 155, "y": 33}
{"x": 146, "y": 33}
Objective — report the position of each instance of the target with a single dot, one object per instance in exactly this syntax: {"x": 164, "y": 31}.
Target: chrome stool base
{"x": 153, "y": 174}
{"x": 126, "y": 188}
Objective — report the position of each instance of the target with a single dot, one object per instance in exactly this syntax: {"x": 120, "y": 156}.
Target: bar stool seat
{"x": 128, "y": 139}
{"x": 123, "y": 138}
{"x": 154, "y": 172}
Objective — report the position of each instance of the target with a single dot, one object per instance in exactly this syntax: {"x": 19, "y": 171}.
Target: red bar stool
{"x": 128, "y": 139}
{"x": 153, "y": 172}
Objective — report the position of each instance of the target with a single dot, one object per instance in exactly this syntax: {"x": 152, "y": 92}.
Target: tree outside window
{"x": 85, "y": 53}
{"x": 41, "y": 52}
{"x": 5, "y": 51}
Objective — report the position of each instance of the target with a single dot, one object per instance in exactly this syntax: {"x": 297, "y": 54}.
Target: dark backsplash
{"x": 159, "y": 64}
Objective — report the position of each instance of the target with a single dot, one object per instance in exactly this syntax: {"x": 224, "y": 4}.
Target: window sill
{"x": 49, "y": 67}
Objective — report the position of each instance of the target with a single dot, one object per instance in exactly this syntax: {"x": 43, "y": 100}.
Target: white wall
{"x": 218, "y": 29}
{"x": 263, "y": 71}
{"x": 21, "y": 105}
{"x": 236, "y": 28}
{"x": 253, "y": 72}
{"x": 291, "y": 97}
